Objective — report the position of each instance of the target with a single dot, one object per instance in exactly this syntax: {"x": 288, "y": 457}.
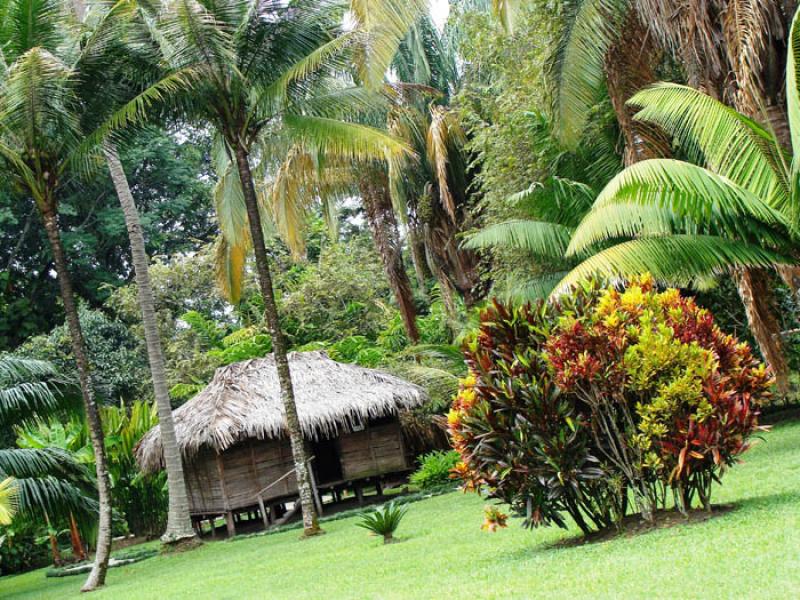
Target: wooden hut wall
{"x": 248, "y": 467}
{"x": 376, "y": 450}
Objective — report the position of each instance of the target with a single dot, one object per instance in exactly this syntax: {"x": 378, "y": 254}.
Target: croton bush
{"x": 572, "y": 407}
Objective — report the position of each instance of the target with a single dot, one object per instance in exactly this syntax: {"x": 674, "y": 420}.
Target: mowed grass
{"x": 750, "y": 552}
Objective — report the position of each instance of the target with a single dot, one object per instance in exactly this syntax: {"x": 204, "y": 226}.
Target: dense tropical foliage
{"x": 188, "y": 184}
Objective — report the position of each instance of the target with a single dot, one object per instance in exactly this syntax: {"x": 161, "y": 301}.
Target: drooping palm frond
{"x": 444, "y": 138}
{"x": 346, "y": 140}
{"x": 678, "y": 260}
{"x": 663, "y": 196}
{"x": 28, "y": 386}
{"x": 580, "y": 63}
{"x": 793, "y": 93}
{"x": 714, "y": 134}
{"x": 540, "y": 238}
{"x": 382, "y": 24}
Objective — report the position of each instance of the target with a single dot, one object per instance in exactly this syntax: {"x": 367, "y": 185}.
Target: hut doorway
{"x": 328, "y": 466}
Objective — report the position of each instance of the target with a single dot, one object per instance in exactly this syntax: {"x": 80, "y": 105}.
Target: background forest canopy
{"x": 501, "y": 136}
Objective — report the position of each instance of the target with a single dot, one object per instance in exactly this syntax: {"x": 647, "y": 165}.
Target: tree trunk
{"x": 179, "y": 524}
{"x": 755, "y": 293}
{"x": 75, "y": 539}
{"x": 383, "y": 225}
{"x": 97, "y": 576}
{"x": 629, "y": 68}
{"x": 310, "y": 520}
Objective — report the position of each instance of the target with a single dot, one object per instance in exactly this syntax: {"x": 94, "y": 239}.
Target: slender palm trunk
{"x": 754, "y": 289}
{"x": 75, "y": 539}
{"x": 383, "y": 225}
{"x": 97, "y": 576}
{"x": 179, "y": 525}
{"x": 310, "y": 521}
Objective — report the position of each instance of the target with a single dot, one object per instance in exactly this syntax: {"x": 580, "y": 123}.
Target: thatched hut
{"x": 237, "y": 456}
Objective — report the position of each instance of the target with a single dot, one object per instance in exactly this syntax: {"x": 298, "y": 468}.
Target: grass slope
{"x": 751, "y": 552}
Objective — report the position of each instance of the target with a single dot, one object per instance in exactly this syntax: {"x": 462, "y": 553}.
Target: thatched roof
{"x": 243, "y": 401}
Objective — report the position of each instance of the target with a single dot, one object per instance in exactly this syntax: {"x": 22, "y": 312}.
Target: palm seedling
{"x": 383, "y": 520}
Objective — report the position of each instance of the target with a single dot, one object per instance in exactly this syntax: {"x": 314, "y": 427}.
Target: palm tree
{"x": 47, "y": 144}
{"x": 734, "y": 51}
{"x": 107, "y": 84}
{"x": 738, "y": 211}
{"x": 256, "y": 65}
{"x": 41, "y": 144}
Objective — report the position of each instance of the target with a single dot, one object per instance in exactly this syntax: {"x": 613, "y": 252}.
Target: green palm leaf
{"x": 669, "y": 196}
{"x": 716, "y": 135}
{"x": 678, "y": 260}
{"x": 543, "y": 239}
{"x": 580, "y": 64}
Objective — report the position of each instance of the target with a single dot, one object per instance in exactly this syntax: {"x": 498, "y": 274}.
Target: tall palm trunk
{"x": 310, "y": 521}
{"x": 97, "y": 576}
{"x": 373, "y": 186}
{"x": 179, "y": 525}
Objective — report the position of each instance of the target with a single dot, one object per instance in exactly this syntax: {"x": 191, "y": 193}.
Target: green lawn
{"x": 751, "y": 552}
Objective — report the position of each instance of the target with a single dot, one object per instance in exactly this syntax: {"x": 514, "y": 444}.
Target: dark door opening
{"x": 327, "y": 466}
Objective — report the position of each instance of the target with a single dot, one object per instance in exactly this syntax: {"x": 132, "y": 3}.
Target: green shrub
{"x": 435, "y": 469}
{"x": 383, "y": 520}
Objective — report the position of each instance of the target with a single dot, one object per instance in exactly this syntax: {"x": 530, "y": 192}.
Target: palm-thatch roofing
{"x": 243, "y": 401}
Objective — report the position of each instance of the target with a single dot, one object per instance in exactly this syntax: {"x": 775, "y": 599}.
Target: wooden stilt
{"x": 359, "y": 493}
{"x": 378, "y": 487}
{"x": 263, "y": 509}
{"x": 230, "y": 524}
{"x": 212, "y": 523}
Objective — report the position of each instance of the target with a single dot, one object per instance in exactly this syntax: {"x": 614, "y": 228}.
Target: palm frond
{"x": 716, "y": 135}
{"x": 793, "y": 91}
{"x": 28, "y": 386}
{"x": 580, "y": 64}
{"x": 9, "y": 500}
{"x": 383, "y": 24}
{"x": 540, "y": 238}
{"x": 668, "y": 196}
{"x": 678, "y": 260}
{"x": 445, "y": 137}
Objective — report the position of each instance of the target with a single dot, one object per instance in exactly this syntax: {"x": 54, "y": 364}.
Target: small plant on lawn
{"x": 435, "y": 470}
{"x": 384, "y": 520}
{"x": 493, "y": 519}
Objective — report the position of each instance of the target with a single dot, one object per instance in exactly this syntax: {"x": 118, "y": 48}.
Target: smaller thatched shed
{"x": 233, "y": 441}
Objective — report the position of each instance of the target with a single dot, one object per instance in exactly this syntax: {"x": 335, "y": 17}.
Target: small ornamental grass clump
{"x": 383, "y": 520}
{"x": 569, "y": 407}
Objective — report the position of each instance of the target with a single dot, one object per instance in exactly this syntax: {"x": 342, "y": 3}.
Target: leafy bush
{"x": 435, "y": 469}
{"x": 520, "y": 438}
{"x": 682, "y": 396}
{"x": 383, "y": 520}
{"x": 569, "y": 406}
